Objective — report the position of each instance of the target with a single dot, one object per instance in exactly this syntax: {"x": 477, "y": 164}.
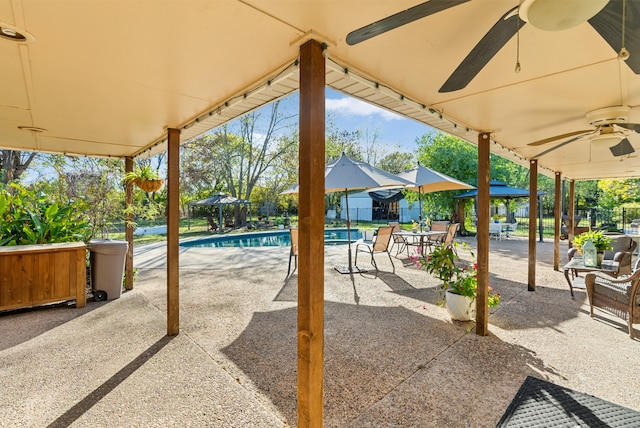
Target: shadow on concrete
{"x": 362, "y": 368}
{"x": 21, "y": 325}
{"x": 84, "y": 405}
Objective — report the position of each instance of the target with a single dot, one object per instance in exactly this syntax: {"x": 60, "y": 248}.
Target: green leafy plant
{"x": 144, "y": 172}
{"x": 30, "y": 217}
{"x": 456, "y": 277}
{"x": 598, "y": 238}
{"x": 144, "y": 178}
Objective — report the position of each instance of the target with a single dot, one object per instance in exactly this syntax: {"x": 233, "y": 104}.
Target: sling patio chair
{"x": 398, "y": 240}
{"x": 437, "y": 239}
{"x": 379, "y": 245}
{"x": 212, "y": 223}
{"x": 449, "y": 239}
{"x": 293, "y": 252}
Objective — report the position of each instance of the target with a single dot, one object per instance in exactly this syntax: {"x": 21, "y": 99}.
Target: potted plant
{"x": 414, "y": 226}
{"x": 597, "y": 238}
{"x": 144, "y": 178}
{"x": 280, "y": 222}
{"x": 459, "y": 281}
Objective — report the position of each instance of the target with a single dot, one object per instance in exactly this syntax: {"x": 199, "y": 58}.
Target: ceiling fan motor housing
{"x": 608, "y": 116}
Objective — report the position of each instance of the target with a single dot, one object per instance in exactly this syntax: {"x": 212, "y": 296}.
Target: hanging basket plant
{"x": 148, "y": 185}
{"x": 145, "y": 179}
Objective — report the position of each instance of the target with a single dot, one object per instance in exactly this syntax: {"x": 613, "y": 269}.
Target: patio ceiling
{"x": 108, "y": 78}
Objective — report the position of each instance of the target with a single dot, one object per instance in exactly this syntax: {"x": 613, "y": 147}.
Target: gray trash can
{"x": 107, "y": 266}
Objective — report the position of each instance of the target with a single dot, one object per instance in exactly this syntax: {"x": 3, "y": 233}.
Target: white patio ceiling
{"x": 107, "y": 78}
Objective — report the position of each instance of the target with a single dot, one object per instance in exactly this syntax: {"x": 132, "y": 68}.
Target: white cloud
{"x": 355, "y": 107}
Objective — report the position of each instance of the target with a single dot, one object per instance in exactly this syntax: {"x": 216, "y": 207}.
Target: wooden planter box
{"x": 32, "y": 275}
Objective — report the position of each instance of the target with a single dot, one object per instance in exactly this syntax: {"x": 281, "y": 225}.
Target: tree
{"x": 341, "y": 141}
{"x": 95, "y": 181}
{"x": 457, "y": 158}
{"x": 13, "y": 163}
{"x": 243, "y": 154}
{"x": 617, "y": 192}
{"x": 451, "y": 156}
{"x": 396, "y": 162}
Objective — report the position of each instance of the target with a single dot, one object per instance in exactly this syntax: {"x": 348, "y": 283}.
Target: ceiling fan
{"x": 605, "y": 16}
{"x": 610, "y": 128}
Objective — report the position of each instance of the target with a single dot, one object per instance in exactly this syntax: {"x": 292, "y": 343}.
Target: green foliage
{"x": 30, "y": 217}
{"x": 456, "y": 278}
{"x": 396, "y": 162}
{"x": 617, "y": 192}
{"x": 143, "y": 172}
{"x": 598, "y": 238}
{"x": 448, "y": 155}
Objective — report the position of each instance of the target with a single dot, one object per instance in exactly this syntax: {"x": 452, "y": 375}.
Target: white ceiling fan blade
{"x": 570, "y": 140}
{"x": 559, "y": 137}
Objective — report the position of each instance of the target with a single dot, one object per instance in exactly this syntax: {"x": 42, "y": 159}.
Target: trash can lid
{"x": 108, "y": 246}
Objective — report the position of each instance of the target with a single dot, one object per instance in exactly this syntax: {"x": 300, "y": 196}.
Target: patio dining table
{"x": 420, "y": 239}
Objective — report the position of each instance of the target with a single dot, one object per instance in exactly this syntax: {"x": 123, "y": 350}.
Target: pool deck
{"x": 393, "y": 358}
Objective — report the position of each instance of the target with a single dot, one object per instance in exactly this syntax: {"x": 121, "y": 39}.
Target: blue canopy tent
{"x": 500, "y": 190}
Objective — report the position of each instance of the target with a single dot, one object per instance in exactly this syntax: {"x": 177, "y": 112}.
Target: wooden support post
{"x": 533, "y": 211}
{"x": 311, "y": 236}
{"x": 557, "y": 211}
{"x": 128, "y": 265}
{"x": 459, "y": 207}
{"x": 571, "y": 213}
{"x": 173, "y": 231}
{"x": 484, "y": 176}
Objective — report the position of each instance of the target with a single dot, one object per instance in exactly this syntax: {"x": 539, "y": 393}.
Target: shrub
{"x": 30, "y": 217}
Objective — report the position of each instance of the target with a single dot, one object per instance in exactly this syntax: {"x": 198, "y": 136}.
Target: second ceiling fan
{"x": 610, "y": 127}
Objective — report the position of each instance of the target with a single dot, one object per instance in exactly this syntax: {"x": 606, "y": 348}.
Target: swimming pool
{"x": 268, "y": 239}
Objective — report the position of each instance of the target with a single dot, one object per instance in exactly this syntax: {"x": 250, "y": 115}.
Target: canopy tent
{"x": 500, "y": 190}
{"x": 218, "y": 199}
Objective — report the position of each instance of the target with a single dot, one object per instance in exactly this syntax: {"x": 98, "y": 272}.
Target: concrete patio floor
{"x": 393, "y": 358}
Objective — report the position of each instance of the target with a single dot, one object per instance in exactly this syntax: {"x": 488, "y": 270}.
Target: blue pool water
{"x": 268, "y": 239}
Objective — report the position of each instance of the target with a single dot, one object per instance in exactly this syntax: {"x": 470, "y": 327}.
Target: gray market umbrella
{"x": 347, "y": 174}
{"x": 426, "y": 180}
{"x": 293, "y": 190}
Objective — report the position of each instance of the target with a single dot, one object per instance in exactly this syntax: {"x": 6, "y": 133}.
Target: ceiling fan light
{"x": 607, "y": 139}
{"x": 554, "y": 15}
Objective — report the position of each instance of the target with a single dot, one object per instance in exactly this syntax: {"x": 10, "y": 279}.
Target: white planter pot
{"x": 460, "y": 308}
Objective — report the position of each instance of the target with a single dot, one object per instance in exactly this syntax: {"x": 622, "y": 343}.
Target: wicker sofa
{"x": 619, "y": 296}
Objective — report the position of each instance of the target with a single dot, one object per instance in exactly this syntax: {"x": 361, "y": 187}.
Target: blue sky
{"x": 352, "y": 114}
